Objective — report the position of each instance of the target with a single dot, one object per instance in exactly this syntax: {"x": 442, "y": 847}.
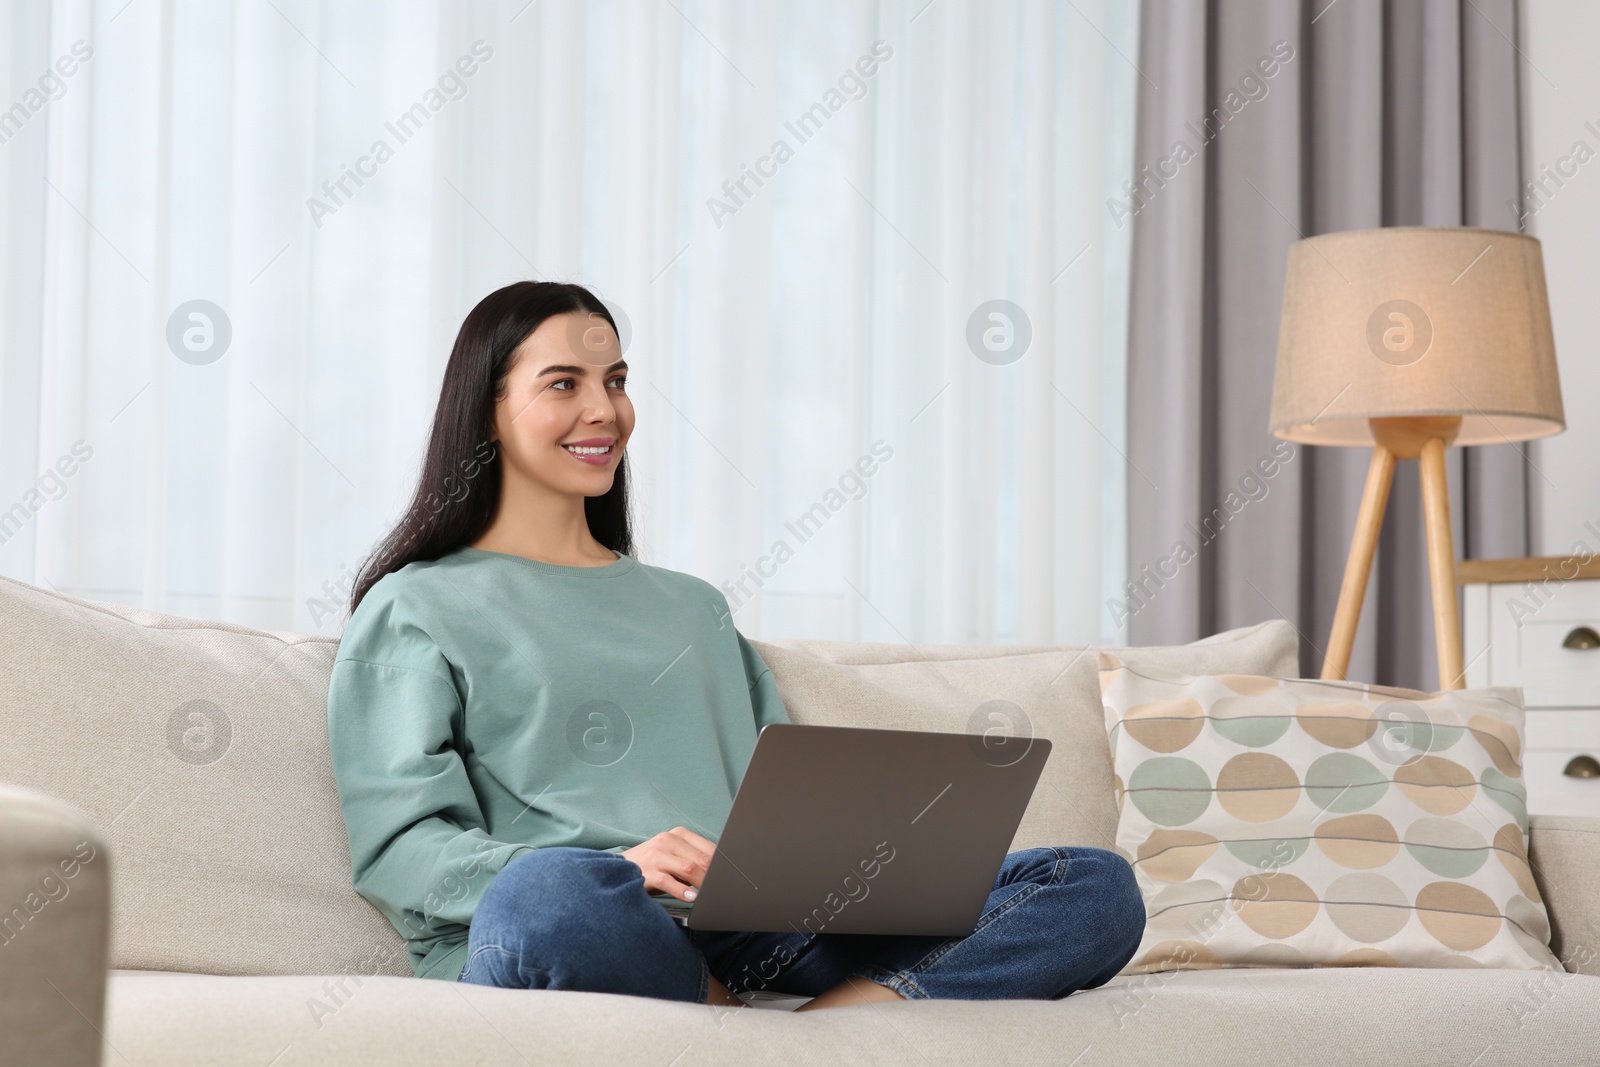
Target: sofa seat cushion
{"x": 1242, "y": 1017}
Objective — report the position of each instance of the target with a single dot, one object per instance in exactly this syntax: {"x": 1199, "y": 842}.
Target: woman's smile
{"x": 595, "y": 451}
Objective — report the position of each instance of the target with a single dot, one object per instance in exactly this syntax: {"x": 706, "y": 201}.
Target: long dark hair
{"x": 459, "y": 489}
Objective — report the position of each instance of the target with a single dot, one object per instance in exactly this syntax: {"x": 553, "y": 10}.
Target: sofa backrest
{"x": 1050, "y": 691}
{"x": 200, "y": 750}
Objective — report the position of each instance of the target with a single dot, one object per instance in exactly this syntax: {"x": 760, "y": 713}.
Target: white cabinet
{"x": 1522, "y": 626}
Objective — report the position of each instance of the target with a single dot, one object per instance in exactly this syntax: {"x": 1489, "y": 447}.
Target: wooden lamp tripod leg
{"x": 1441, "y": 563}
{"x": 1363, "y": 544}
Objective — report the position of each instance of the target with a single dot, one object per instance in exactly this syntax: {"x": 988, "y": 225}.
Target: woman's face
{"x": 564, "y": 389}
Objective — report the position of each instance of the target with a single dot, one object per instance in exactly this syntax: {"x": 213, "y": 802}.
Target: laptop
{"x": 851, "y": 830}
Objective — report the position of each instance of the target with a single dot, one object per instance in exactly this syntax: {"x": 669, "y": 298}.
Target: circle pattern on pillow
{"x": 1270, "y": 853}
{"x": 1460, "y": 916}
{"x": 1174, "y": 855}
{"x": 1275, "y": 904}
{"x": 1436, "y": 785}
{"x": 1509, "y": 793}
{"x": 1447, "y": 848}
{"x": 1342, "y": 781}
{"x": 1367, "y": 907}
{"x": 1342, "y": 725}
{"x": 1301, "y": 822}
{"x": 1407, "y": 730}
{"x": 1358, "y": 842}
{"x": 1249, "y": 722}
{"x": 1508, "y": 849}
{"x": 1169, "y": 790}
{"x": 1257, "y": 787}
{"x": 1166, "y": 725}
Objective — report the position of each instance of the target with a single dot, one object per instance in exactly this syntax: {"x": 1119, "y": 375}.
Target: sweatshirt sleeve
{"x": 418, "y": 846}
{"x": 764, "y": 699}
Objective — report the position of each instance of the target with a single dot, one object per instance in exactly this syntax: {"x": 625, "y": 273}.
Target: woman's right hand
{"x": 674, "y": 861}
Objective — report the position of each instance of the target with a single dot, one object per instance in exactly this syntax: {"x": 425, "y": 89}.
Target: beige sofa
{"x": 180, "y": 769}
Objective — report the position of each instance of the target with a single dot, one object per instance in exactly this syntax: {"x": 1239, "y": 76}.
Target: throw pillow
{"x": 1282, "y": 822}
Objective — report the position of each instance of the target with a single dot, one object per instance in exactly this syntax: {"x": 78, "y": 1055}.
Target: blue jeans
{"x": 1058, "y": 920}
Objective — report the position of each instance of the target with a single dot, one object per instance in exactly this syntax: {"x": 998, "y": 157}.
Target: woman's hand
{"x": 674, "y": 861}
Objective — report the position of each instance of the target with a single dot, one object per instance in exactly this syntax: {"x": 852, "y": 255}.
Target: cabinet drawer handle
{"x": 1584, "y": 637}
{"x": 1583, "y": 767}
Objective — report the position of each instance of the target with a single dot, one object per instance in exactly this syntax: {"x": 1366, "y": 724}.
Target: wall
{"x": 1560, "y": 85}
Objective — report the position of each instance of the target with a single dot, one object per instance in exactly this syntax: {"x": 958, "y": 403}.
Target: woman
{"x": 537, "y": 738}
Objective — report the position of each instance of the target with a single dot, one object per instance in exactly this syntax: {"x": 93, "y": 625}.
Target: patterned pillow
{"x": 1293, "y": 823}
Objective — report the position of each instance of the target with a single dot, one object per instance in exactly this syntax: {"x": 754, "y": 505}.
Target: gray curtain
{"x": 1383, "y": 114}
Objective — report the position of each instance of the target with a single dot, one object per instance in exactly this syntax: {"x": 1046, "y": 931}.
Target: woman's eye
{"x": 620, "y": 379}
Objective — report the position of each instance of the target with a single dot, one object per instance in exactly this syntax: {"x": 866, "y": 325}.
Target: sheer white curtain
{"x": 803, "y": 210}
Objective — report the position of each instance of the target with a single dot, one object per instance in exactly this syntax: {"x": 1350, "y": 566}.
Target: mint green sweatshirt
{"x": 483, "y": 705}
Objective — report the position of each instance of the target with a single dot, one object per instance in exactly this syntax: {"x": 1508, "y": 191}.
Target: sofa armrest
{"x": 55, "y": 926}
{"x": 1565, "y": 853}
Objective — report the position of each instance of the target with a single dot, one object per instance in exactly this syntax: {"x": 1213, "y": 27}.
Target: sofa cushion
{"x": 199, "y": 749}
{"x": 1258, "y": 1017}
{"x": 1565, "y": 853}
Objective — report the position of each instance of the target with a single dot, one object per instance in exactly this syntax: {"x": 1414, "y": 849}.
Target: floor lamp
{"x": 1407, "y": 340}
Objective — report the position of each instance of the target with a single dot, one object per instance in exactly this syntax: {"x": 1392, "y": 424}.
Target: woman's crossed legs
{"x": 1058, "y": 920}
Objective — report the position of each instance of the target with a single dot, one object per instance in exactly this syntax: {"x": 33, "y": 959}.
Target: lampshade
{"x": 1416, "y": 320}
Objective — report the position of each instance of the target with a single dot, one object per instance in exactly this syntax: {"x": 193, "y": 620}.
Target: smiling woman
{"x": 537, "y": 738}
{"x": 511, "y": 679}
{"x": 536, "y": 367}
{"x": 564, "y": 393}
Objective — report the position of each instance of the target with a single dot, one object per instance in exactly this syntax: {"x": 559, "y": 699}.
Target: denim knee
{"x": 550, "y": 888}
{"x": 577, "y": 918}
{"x": 1120, "y": 902}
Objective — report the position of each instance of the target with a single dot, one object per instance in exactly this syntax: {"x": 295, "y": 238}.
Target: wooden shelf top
{"x": 1531, "y": 569}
